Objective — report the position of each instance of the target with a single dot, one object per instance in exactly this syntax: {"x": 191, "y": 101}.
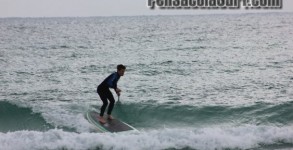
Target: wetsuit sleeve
{"x": 112, "y": 81}
{"x": 115, "y": 83}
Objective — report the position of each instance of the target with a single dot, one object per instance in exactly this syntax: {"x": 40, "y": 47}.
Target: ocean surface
{"x": 202, "y": 82}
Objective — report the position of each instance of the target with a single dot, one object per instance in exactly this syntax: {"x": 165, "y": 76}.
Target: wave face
{"x": 201, "y": 82}
{"x": 14, "y": 118}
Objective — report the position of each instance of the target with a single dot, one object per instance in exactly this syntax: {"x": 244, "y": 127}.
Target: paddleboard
{"x": 114, "y": 125}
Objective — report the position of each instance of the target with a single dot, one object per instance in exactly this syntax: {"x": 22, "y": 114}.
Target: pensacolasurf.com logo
{"x": 215, "y": 4}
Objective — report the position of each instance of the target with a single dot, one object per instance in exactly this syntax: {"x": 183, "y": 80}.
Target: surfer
{"x": 105, "y": 93}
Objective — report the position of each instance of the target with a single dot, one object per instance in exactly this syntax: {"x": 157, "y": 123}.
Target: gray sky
{"x": 71, "y": 8}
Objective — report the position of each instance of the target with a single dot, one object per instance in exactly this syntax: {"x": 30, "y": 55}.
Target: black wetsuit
{"x": 105, "y": 93}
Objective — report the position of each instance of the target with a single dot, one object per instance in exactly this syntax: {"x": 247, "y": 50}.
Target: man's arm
{"x": 117, "y": 90}
{"x": 110, "y": 81}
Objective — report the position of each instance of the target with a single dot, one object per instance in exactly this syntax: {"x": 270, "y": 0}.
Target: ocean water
{"x": 203, "y": 82}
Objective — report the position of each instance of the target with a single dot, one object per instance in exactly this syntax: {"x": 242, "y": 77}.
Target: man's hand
{"x": 118, "y": 91}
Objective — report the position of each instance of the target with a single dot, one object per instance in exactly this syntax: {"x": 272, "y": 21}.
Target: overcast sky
{"x": 71, "y": 8}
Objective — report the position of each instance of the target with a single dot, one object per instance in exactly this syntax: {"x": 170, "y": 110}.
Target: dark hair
{"x": 119, "y": 67}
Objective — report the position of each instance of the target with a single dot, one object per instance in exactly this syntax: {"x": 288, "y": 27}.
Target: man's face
{"x": 121, "y": 72}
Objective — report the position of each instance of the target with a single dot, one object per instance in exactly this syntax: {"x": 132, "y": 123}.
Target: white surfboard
{"x": 114, "y": 125}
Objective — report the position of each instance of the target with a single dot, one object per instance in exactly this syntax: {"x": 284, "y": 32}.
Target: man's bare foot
{"x": 110, "y": 117}
{"x": 101, "y": 119}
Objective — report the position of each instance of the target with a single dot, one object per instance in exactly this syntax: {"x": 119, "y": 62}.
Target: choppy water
{"x": 192, "y": 82}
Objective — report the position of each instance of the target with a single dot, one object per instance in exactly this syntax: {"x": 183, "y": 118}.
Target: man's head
{"x": 121, "y": 69}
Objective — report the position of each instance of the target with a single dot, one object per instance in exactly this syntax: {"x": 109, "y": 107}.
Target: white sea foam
{"x": 243, "y": 137}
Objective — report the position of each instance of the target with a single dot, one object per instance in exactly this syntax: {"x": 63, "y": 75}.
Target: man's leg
{"x": 104, "y": 106}
{"x": 111, "y": 106}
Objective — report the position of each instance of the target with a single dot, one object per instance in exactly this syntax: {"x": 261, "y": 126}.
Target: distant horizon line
{"x": 148, "y": 15}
